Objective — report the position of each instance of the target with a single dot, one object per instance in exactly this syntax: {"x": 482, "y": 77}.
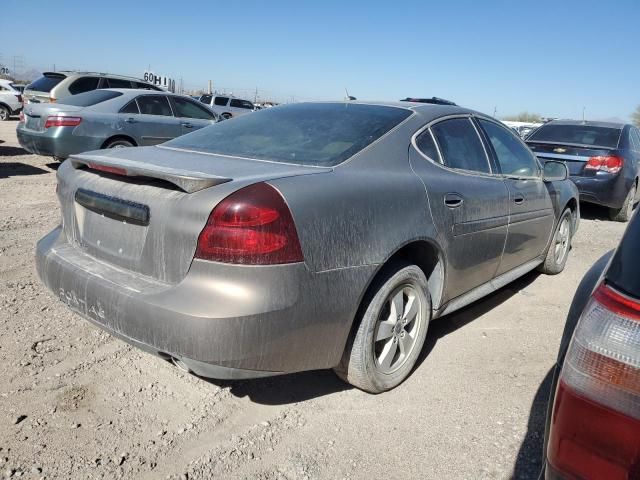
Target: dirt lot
{"x": 77, "y": 403}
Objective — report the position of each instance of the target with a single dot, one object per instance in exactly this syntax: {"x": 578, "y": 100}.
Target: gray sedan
{"x": 107, "y": 119}
{"x": 308, "y": 236}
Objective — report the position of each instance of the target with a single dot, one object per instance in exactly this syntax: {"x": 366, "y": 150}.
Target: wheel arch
{"x": 119, "y": 137}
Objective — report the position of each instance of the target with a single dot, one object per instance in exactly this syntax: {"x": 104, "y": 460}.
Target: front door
{"x": 192, "y": 116}
{"x": 156, "y": 123}
{"x": 468, "y": 202}
{"x": 531, "y": 215}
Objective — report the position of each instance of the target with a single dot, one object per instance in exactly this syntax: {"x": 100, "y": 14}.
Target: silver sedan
{"x": 109, "y": 118}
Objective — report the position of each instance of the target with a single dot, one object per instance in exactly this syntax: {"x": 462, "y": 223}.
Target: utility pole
{"x": 583, "y": 109}
{"x": 255, "y": 97}
{"x": 495, "y": 111}
{"x": 210, "y": 91}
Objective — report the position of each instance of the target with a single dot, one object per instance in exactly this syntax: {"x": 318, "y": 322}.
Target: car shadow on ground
{"x": 15, "y": 169}
{"x": 9, "y": 151}
{"x": 530, "y": 456}
{"x": 53, "y": 165}
{"x": 590, "y": 211}
{"x": 299, "y": 387}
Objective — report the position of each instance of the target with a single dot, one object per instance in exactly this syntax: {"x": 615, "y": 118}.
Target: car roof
{"x": 70, "y": 73}
{"x": 591, "y": 123}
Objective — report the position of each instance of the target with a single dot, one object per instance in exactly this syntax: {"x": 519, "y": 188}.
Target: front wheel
{"x": 558, "y": 251}
{"x": 5, "y": 114}
{"x": 225, "y": 116}
{"x": 624, "y": 213}
{"x": 391, "y": 333}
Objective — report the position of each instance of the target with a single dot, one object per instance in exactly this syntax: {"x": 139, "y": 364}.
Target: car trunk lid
{"x": 142, "y": 209}
{"x": 35, "y": 116}
{"x": 573, "y": 155}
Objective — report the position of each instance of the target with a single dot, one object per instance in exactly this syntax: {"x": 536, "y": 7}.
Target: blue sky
{"x": 548, "y": 57}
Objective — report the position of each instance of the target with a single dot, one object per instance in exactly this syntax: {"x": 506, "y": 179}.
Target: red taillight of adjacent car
{"x": 21, "y": 117}
{"x": 252, "y": 226}
{"x": 60, "y": 121}
{"x": 595, "y": 427}
{"x": 608, "y": 163}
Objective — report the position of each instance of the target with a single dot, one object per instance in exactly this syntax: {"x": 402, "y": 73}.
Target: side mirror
{"x": 555, "y": 171}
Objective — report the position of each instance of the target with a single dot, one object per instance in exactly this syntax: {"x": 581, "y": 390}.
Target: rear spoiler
{"x": 187, "y": 181}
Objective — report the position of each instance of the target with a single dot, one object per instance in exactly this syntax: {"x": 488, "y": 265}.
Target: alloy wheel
{"x": 562, "y": 240}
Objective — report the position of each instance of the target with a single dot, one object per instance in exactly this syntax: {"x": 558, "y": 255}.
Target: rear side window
{"x": 118, "y": 83}
{"x": 187, "y": 108}
{"x": 131, "y": 108}
{"x": 514, "y": 158}
{"x": 635, "y": 139}
{"x": 427, "y": 146}
{"x": 46, "y": 83}
{"x": 241, "y": 104}
{"x": 83, "y": 84}
{"x": 221, "y": 101}
{"x": 154, "y": 105}
{"x": 460, "y": 145}
{"x": 579, "y": 134}
{"x": 88, "y": 99}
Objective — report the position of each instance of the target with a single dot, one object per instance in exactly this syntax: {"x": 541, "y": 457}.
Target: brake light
{"x": 609, "y": 163}
{"x": 595, "y": 429}
{"x": 107, "y": 169}
{"x": 59, "y": 121}
{"x": 19, "y": 97}
{"x": 21, "y": 117}
{"x": 52, "y": 100}
{"x": 252, "y": 226}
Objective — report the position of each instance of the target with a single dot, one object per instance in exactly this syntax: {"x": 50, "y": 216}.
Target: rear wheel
{"x": 558, "y": 251}
{"x": 118, "y": 143}
{"x": 4, "y": 113}
{"x": 225, "y": 116}
{"x": 624, "y": 213}
{"x": 391, "y": 333}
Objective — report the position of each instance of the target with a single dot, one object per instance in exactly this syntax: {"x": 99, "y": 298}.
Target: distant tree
{"x": 635, "y": 117}
{"x": 524, "y": 117}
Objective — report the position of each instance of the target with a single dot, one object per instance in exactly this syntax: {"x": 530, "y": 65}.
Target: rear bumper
{"x": 603, "y": 189}
{"x": 55, "y": 142}
{"x": 221, "y": 321}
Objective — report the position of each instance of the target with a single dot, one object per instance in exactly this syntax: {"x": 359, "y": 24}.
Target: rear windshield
{"x": 88, "y": 99}
{"x": 321, "y": 134}
{"x": 46, "y": 83}
{"x": 579, "y": 134}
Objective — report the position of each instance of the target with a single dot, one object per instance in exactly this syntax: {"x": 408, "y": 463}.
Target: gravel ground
{"x": 77, "y": 403}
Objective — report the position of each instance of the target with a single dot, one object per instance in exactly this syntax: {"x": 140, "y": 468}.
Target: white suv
{"x": 10, "y": 100}
{"x": 227, "y": 106}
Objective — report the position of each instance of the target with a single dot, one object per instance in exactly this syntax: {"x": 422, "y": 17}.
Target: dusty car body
{"x": 261, "y": 246}
{"x": 109, "y": 118}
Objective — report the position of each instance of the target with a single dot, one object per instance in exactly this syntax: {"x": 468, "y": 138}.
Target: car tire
{"x": 558, "y": 252}
{"x": 5, "y": 114}
{"x": 118, "y": 143}
{"x": 624, "y": 213}
{"x": 393, "y": 326}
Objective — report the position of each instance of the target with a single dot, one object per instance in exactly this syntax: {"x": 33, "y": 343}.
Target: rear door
{"x": 531, "y": 215}
{"x": 154, "y": 123}
{"x": 469, "y": 202}
{"x": 191, "y": 115}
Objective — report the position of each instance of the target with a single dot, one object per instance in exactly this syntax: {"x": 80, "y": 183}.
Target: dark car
{"x": 593, "y": 421}
{"x": 303, "y": 237}
{"x": 602, "y": 158}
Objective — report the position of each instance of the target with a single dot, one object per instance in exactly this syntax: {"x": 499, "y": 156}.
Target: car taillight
{"x": 107, "y": 169}
{"x": 52, "y": 100}
{"x": 252, "y": 226}
{"x": 609, "y": 163}
{"x": 595, "y": 430}
{"x": 21, "y": 117}
{"x": 58, "y": 121}
{"x": 19, "y": 97}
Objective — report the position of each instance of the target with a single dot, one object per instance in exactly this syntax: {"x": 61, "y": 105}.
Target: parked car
{"x": 593, "y": 421}
{"x": 109, "y": 118}
{"x": 18, "y": 86}
{"x": 602, "y": 158}
{"x": 10, "y": 100}
{"x": 227, "y": 106}
{"x": 308, "y": 236}
{"x": 54, "y": 86}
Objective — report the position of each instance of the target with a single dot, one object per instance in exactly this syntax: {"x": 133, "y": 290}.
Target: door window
{"x": 221, "y": 101}
{"x": 514, "y": 158}
{"x": 83, "y": 84}
{"x": 241, "y": 104}
{"x": 427, "y": 146}
{"x": 131, "y": 108}
{"x": 154, "y": 105}
{"x": 206, "y": 99}
{"x": 187, "y": 108}
{"x": 460, "y": 145}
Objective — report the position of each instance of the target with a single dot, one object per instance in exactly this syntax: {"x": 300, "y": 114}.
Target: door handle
{"x": 130, "y": 120}
{"x": 187, "y": 125}
{"x": 518, "y": 199}
{"x": 453, "y": 200}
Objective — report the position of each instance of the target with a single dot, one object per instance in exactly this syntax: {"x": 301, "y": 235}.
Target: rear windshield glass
{"x": 88, "y": 99}
{"x": 579, "y": 134}
{"x": 322, "y": 134}
{"x": 46, "y": 84}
